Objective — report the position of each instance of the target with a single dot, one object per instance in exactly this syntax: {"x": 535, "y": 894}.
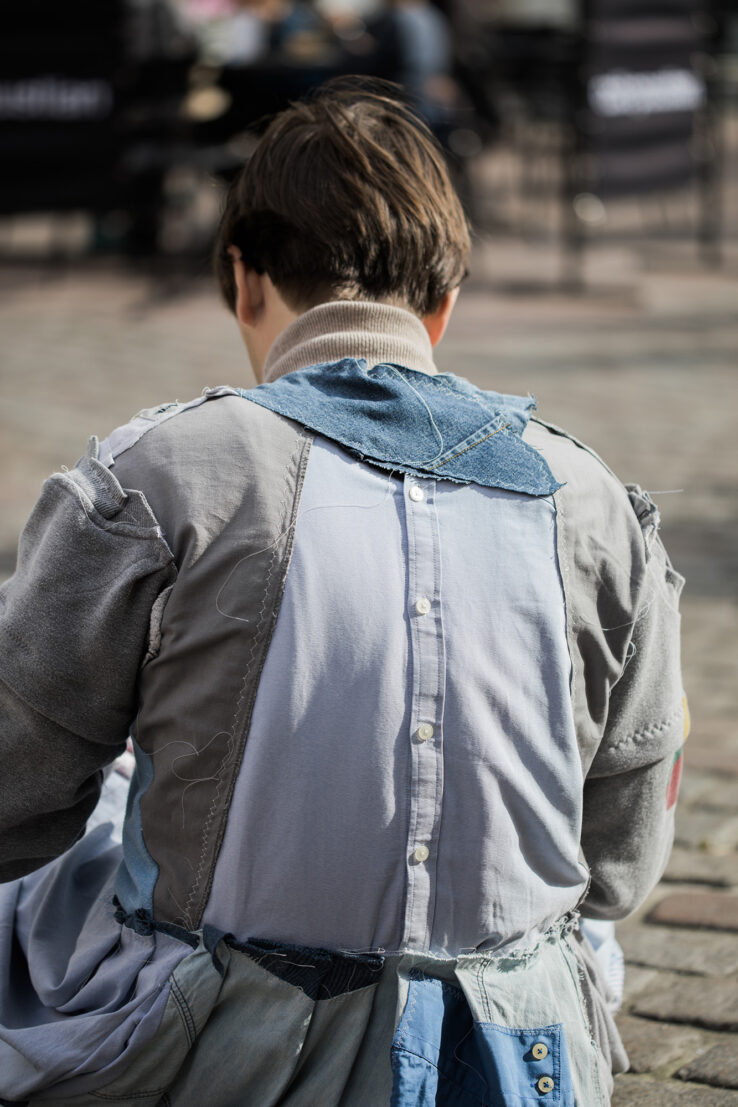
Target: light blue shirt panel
{"x": 508, "y": 851}
{"x": 337, "y": 790}
{"x": 314, "y": 847}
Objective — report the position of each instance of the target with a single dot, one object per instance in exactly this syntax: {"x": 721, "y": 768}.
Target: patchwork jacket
{"x": 401, "y": 668}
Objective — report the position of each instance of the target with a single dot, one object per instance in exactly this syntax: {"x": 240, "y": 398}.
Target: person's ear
{"x": 249, "y": 290}
{"x": 436, "y": 321}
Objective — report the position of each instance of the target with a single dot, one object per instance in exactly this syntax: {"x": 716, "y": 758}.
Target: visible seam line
{"x": 466, "y": 451}
{"x": 184, "y": 1012}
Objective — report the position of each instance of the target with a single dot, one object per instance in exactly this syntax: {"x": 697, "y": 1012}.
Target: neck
{"x": 378, "y": 333}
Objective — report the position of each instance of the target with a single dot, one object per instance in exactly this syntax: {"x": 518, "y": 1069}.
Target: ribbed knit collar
{"x": 379, "y": 333}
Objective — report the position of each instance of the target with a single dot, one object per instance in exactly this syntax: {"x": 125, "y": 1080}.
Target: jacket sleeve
{"x": 630, "y": 789}
{"x": 74, "y": 626}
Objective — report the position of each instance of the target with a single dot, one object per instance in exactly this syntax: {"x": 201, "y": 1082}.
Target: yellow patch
{"x": 687, "y": 718}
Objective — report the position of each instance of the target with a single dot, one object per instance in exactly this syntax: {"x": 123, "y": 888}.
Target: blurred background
{"x": 595, "y": 146}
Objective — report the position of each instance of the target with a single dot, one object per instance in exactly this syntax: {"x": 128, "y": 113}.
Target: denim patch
{"x": 410, "y": 422}
{"x": 440, "y": 1056}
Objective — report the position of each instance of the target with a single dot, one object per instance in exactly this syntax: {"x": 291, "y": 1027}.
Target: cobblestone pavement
{"x": 645, "y": 371}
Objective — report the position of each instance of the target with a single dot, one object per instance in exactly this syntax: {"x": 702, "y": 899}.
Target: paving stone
{"x": 705, "y": 829}
{"x": 690, "y": 999}
{"x": 713, "y": 910}
{"x": 636, "y": 979}
{"x": 688, "y": 866}
{"x": 698, "y": 786}
{"x": 652, "y": 1045}
{"x": 661, "y": 947}
{"x": 638, "y": 1091}
{"x": 718, "y": 1066}
{"x": 715, "y": 758}
{"x": 718, "y": 796}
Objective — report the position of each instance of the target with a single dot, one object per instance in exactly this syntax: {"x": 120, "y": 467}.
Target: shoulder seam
{"x": 561, "y": 433}
{"x": 128, "y": 434}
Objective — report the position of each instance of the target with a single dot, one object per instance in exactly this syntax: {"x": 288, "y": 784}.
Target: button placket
{"x": 428, "y": 676}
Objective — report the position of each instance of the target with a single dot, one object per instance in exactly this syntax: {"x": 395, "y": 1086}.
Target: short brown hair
{"x": 347, "y": 196}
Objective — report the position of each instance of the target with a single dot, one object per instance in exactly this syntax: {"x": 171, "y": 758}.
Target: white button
{"x": 545, "y": 1085}
{"x": 424, "y": 732}
{"x": 423, "y": 605}
{"x": 416, "y": 494}
{"x": 421, "y": 853}
{"x": 540, "y": 1051}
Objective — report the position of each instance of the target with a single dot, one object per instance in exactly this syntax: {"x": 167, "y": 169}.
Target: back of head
{"x": 347, "y": 196}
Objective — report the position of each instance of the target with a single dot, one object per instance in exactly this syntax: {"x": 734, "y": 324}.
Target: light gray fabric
{"x": 623, "y": 628}
{"x": 73, "y": 633}
{"x": 230, "y": 528}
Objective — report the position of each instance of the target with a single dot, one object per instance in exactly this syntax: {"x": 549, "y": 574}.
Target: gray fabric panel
{"x": 246, "y": 1038}
{"x": 50, "y": 781}
{"x": 297, "y": 1052}
{"x": 623, "y": 627}
{"x": 74, "y": 623}
{"x": 626, "y": 824}
{"x": 198, "y": 691}
{"x": 91, "y": 562}
{"x": 602, "y": 559}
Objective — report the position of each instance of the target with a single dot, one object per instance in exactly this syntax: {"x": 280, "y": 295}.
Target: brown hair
{"x": 347, "y": 196}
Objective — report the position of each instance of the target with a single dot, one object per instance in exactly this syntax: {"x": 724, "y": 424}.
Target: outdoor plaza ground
{"x": 643, "y": 367}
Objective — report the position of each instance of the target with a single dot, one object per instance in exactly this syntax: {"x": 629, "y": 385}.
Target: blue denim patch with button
{"x": 441, "y": 1057}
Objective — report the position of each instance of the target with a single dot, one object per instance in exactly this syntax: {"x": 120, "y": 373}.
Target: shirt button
{"x": 416, "y": 494}
{"x": 540, "y": 1051}
{"x": 424, "y": 732}
{"x": 423, "y": 605}
{"x": 421, "y": 853}
{"x": 545, "y": 1084}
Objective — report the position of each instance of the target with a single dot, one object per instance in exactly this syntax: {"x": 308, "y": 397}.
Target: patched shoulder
{"x": 127, "y": 435}
{"x": 585, "y": 477}
{"x": 594, "y": 493}
{"x": 567, "y": 450}
{"x": 194, "y": 462}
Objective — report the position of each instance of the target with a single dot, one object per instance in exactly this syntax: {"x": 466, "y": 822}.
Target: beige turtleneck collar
{"x": 378, "y": 333}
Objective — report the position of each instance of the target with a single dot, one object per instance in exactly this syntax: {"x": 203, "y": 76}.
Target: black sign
{"x": 60, "y": 104}
{"x": 643, "y": 86}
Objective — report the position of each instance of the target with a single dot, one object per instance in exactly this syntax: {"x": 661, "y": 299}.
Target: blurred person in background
{"x": 254, "y": 31}
{"x": 245, "y": 36}
{"x": 415, "y": 50}
{"x": 401, "y": 667}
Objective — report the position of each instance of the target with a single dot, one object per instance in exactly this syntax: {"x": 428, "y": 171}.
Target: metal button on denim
{"x": 545, "y": 1084}
{"x": 423, "y": 605}
{"x": 424, "y": 732}
{"x": 416, "y": 494}
{"x": 421, "y": 853}
{"x": 540, "y": 1051}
